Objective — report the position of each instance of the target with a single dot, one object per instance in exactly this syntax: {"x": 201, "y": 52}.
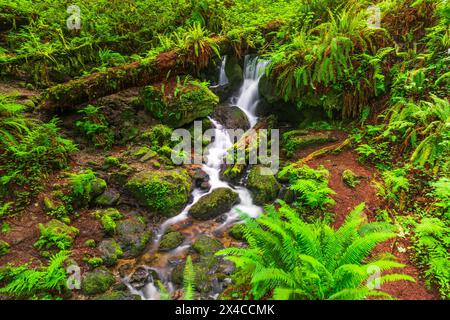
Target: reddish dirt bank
{"x": 347, "y": 198}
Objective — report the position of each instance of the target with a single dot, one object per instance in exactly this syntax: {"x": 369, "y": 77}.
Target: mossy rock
{"x": 119, "y": 295}
{"x": 132, "y": 236}
{"x": 206, "y": 246}
{"x": 177, "y": 110}
{"x": 171, "y": 240}
{"x": 108, "y": 198}
{"x": 58, "y": 227}
{"x": 111, "y": 251}
{"x": 164, "y": 192}
{"x": 96, "y": 282}
{"x": 265, "y": 187}
{"x": 234, "y": 71}
{"x": 350, "y": 178}
{"x": 212, "y": 205}
{"x": 231, "y": 117}
{"x": 298, "y": 139}
{"x": 4, "y": 248}
{"x": 237, "y": 231}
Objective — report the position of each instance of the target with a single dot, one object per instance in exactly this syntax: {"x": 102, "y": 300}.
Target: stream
{"x": 246, "y": 98}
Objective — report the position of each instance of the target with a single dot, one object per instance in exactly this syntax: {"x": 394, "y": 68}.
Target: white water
{"x": 247, "y": 100}
{"x": 223, "y": 79}
{"x": 249, "y": 93}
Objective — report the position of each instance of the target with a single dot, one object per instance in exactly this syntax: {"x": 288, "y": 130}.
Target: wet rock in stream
{"x": 212, "y": 205}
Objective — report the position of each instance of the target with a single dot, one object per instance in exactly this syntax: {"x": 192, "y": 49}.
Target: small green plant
{"x": 310, "y": 185}
{"x": 95, "y": 126}
{"x": 24, "y": 282}
{"x": 55, "y": 236}
{"x": 108, "y": 219}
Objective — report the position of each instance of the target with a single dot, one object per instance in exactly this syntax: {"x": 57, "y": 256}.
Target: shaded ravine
{"x": 246, "y": 99}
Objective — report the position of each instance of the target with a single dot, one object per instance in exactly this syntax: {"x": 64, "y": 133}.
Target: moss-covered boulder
{"x": 206, "y": 246}
{"x": 214, "y": 204}
{"x": 119, "y": 295}
{"x": 111, "y": 251}
{"x": 108, "y": 198}
{"x": 85, "y": 187}
{"x": 96, "y": 282}
{"x": 264, "y": 186}
{"x": 192, "y": 101}
{"x": 350, "y": 178}
{"x": 234, "y": 71}
{"x": 132, "y": 235}
{"x": 170, "y": 241}
{"x": 4, "y": 248}
{"x": 164, "y": 192}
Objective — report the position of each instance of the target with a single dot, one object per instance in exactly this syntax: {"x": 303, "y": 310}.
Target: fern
{"x": 297, "y": 260}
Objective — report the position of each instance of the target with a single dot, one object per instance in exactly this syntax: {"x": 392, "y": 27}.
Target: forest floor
{"x": 348, "y": 198}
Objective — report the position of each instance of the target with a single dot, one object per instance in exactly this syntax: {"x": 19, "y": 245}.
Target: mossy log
{"x": 73, "y": 93}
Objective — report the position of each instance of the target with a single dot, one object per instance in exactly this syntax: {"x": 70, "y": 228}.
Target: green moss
{"x": 111, "y": 251}
{"x": 350, "y": 178}
{"x": 194, "y": 100}
{"x": 165, "y": 192}
{"x": 170, "y": 241}
{"x": 214, "y": 204}
{"x": 108, "y": 219}
{"x": 265, "y": 187}
{"x": 132, "y": 235}
{"x": 206, "y": 246}
{"x": 56, "y": 234}
{"x": 111, "y": 162}
{"x": 85, "y": 187}
{"x": 94, "y": 262}
{"x": 95, "y": 282}
{"x": 90, "y": 243}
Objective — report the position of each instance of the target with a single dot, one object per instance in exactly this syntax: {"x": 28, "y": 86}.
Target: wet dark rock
{"x": 140, "y": 278}
{"x": 263, "y": 185}
{"x": 231, "y": 117}
{"x": 170, "y": 241}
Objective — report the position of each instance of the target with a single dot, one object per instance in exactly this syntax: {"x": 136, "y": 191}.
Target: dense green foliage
{"x": 312, "y": 261}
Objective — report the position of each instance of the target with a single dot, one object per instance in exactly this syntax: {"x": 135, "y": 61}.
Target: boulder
{"x": 108, "y": 198}
{"x": 231, "y": 117}
{"x": 206, "y": 246}
{"x": 96, "y": 282}
{"x": 111, "y": 251}
{"x": 140, "y": 277}
{"x": 132, "y": 236}
{"x": 176, "y": 110}
{"x": 214, "y": 204}
{"x": 234, "y": 71}
{"x": 164, "y": 192}
{"x": 170, "y": 241}
{"x": 265, "y": 187}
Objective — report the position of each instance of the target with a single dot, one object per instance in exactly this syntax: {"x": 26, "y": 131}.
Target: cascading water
{"x": 247, "y": 100}
{"x": 249, "y": 94}
{"x": 223, "y": 79}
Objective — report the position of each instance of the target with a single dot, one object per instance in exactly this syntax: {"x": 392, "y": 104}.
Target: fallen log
{"x": 73, "y": 93}
{"x": 333, "y": 148}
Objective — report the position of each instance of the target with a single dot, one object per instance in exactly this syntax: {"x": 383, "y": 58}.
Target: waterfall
{"x": 223, "y": 79}
{"x": 247, "y": 100}
{"x": 249, "y": 93}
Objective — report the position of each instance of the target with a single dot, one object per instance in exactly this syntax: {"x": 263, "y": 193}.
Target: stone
{"x": 164, "y": 192}
{"x": 170, "y": 241}
{"x": 231, "y": 117}
{"x": 206, "y": 246}
{"x": 111, "y": 251}
{"x": 96, "y": 282}
{"x": 119, "y": 295}
{"x": 265, "y": 187}
{"x": 195, "y": 102}
{"x": 108, "y": 198}
{"x": 132, "y": 235}
{"x": 212, "y": 205}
